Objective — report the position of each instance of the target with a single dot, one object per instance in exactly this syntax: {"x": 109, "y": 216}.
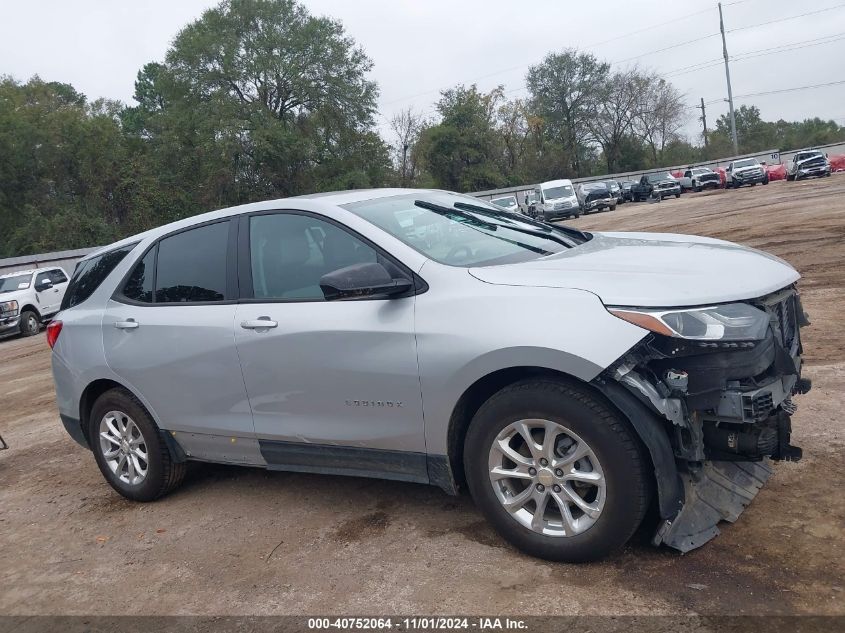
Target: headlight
{"x": 730, "y": 322}
{"x": 9, "y": 307}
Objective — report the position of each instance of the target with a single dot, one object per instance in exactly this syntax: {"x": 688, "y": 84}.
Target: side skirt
{"x": 314, "y": 458}
{"x": 345, "y": 460}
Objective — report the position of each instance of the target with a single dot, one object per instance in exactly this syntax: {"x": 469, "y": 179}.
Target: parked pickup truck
{"x": 746, "y": 171}
{"x": 699, "y": 178}
{"x": 30, "y": 297}
{"x": 807, "y": 164}
{"x": 658, "y": 185}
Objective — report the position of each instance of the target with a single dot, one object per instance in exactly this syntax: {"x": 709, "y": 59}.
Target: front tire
{"x": 556, "y": 471}
{"x": 30, "y": 323}
{"x": 130, "y": 449}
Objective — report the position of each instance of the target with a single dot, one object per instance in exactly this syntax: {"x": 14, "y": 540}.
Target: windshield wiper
{"x": 543, "y": 231}
{"x": 441, "y": 210}
{"x": 475, "y": 221}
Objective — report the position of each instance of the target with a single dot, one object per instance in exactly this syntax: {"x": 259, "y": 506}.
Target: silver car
{"x": 391, "y": 333}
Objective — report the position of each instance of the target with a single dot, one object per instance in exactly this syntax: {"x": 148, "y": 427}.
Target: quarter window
{"x": 289, "y": 253}
{"x": 191, "y": 265}
{"x": 90, "y": 273}
{"x": 139, "y": 285}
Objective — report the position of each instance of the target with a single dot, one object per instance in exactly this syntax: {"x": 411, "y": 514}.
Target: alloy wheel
{"x": 124, "y": 448}
{"x": 547, "y": 477}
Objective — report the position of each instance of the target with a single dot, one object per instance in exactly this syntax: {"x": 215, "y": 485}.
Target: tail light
{"x": 53, "y": 331}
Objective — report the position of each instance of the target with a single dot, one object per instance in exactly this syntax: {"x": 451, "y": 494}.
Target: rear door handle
{"x": 128, "y": 324}
{"x": 261, "y": 323}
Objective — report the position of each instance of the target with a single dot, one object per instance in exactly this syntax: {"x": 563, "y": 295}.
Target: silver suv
{"x": 390, "y": 334}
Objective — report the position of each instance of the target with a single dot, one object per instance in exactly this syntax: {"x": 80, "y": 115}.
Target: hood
{"x": 652, "y": 270}
{"x": 14, "y": 295}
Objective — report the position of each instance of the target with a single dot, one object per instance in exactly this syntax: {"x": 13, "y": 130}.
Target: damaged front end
{"x": 717, "y": 383}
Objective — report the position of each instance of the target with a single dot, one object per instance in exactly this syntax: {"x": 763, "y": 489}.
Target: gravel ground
{"x": 241, "y": 541}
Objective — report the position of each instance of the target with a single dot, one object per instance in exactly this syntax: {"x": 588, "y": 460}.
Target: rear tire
{"x": 30, "y": 323}
{"x": 130, "y": 449}
{"x": 584, "y": 439}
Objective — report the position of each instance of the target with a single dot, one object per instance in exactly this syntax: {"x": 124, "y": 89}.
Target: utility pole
{"x": 703, "y": 119}
{"x": 728, "y": 77}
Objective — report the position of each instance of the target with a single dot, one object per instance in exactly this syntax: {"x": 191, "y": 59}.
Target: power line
{"x": 763, "y": 52}
{"x": 784, "y": 19}
{"x": 679, "y": 71}
{"x": 587, "y": 46}
{"x": 795, "y": 89}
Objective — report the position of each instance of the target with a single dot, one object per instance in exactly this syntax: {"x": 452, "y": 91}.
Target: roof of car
{"x": 329, "y": 198}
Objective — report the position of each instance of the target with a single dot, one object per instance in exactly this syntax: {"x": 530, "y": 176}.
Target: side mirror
{"x": 44, "y": 284}
{"x": 361, "y": 280}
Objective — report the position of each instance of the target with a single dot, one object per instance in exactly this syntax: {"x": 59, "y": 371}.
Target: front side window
{"x": 191, "y": 265}
{"x": 90, "y": 273}
{"x": 289, "y": 253}
{"x": 463, "y": 231}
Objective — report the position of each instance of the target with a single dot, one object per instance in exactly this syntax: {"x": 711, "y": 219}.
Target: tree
{"x": 566, "y": 92}
{"x": 463, "y": 152}
{"x": 614, "y": 116}
{"x": 267, "y": 100}
{"x": 406, "y": 125}
{"x": 659, "y": 113}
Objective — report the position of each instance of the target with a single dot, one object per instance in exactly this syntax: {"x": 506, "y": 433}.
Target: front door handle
{"x": 261, "y": 323}
{"x": 128, "y": 324}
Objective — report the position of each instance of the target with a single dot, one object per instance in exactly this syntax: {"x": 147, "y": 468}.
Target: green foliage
{"x": 257, "y": 99}
{"x": 464, "y": 151}
{"x": 755, "y": 134}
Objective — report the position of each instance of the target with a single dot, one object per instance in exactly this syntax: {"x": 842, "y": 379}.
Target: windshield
{"x": 507, "y": 203}
{"x": 594, "y": 186}
{"x": 18, "y": 282}
{"x": 556, "y": 193}
{"x": 748, "y": 162}
{"x": 807, "y": 155}
{"x": 659, "y": 177}
{"x": 464, "y": 231}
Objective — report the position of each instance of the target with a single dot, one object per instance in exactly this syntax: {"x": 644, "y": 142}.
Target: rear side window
{"x": 89, "y": 274}
{"x": 57, "y": 276}
{"x": 191, "y": 265}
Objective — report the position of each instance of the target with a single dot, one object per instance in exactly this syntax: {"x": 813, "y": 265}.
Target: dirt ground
{"x": 245, "y": 541}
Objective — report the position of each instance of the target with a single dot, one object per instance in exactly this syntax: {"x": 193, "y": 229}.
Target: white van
{"x": 556, "y": 199}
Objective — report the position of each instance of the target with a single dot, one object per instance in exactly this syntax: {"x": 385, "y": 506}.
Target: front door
{"x": 50, "y": 298}
{"x": 337, "y": 373}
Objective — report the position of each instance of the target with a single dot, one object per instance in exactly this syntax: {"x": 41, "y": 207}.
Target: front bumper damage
{"x": 726, "y": 409}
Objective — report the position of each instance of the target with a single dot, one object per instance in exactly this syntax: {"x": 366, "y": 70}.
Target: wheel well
{"x": 482, "y": 389}
{"x": 31, "y": 307}
{"x": 89, "y": 397}
{"x": 476, "y": 395}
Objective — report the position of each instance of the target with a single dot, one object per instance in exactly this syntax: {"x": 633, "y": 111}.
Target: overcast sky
{"x": 422, "y": 46}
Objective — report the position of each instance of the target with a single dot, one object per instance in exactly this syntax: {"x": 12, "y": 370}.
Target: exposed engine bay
{"x": 725, "y": 406}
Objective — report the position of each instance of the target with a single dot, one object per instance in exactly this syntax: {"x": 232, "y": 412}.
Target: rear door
{"x": 168, "y": 333}
{"x": 340, "y": 373}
